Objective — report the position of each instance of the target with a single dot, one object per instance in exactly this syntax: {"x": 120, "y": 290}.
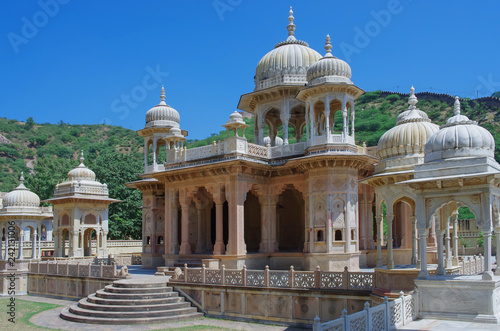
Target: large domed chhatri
{"x": 162, "y": 114}
{"x": 287, "y": 63}
{"x": 409, "y": 136}
{"x": 459, "y": 137}
{"x": 329, "y": 69}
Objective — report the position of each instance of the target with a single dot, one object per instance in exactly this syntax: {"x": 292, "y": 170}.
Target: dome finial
{"x": 21, "y": 179}
{"x": 328, "y": 46}
{"x": 456, "y": 106}
{"x": 162, "y": 96}
{"x": 412, "y": 100}
{"x": 291, "y": 26}
{"x": 81, "y": 157}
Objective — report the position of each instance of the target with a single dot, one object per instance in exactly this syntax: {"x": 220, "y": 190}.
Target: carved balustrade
{"x": 317, "y": 279}
{"x": 390, "y": 315}
{"x": 66, "y": 268}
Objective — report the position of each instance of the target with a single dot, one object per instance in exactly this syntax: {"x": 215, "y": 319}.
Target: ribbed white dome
{"x": 403, "y": 115}
{"x": 21, "y": 197}
{"x": 410, "y": 134}
{"x": 287, "y": 63}
{"x": 162, "y": 115}
{"x": 329, "y": 69}
{"x": 404, "y": 139}
{"x": 459, "y": 137}
{"x": 81, "y": 172}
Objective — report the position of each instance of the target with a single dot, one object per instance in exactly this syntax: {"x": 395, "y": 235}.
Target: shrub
{"x": 392, "y": 97}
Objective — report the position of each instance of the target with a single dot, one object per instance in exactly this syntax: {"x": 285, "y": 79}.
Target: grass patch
{"x": 24, "y": 311}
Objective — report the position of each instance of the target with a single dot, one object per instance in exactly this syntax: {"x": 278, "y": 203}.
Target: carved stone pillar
{"x": 455, "y": 238}
{"x": 236, "y": 195}
{"x": 487, "y": 250}
{"x": 422, "y": 234}
{"x": 390, "y": 240}
{"x": 185, "y": 202}
{"x": 447, "y": 243}
{"x": 33, "y": 244}
{"x": 432, "y": 235}
{"x": 380, "y": 234}
{"x": 413, "y": 240}
{"x": 20, "y": 253}
{"x": 171, "y": 222}
{"x": 268, "y": 222}
{"x": 200, "y": 243}
{"x": 440, "y": 269}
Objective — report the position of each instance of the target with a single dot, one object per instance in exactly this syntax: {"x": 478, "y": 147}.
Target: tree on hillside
{"x": 47, "y": 172}
{"x": 29, "y": 123}
{"x": 115, "y": 169}
{"x": 496, "y": 94}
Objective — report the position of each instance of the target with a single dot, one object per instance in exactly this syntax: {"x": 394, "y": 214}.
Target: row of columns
{"x": 313, "y": 122}
{"x": 452, "y": 257}
{"x": 36, "y": 252}
{"x": 170, "y": 143}
{"x": 78, "y": 240}
{"x": 235, "y": 195}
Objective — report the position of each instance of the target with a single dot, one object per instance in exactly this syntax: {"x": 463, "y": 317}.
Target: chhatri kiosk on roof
{"x": 305, "y": 200}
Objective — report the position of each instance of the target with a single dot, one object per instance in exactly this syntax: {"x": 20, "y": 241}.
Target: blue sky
{"x": 88, "y": 62}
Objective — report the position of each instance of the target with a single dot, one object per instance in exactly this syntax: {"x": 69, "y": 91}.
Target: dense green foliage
{"x": 113, "y": 153}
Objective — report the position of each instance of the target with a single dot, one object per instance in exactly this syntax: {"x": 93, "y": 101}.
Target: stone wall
{"x": 65, "y": 286}
{"x": 296, "y": 306}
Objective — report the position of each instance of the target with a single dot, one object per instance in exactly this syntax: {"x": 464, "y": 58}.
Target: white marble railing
{"x": 81, "y": 189}
{"x": 242, "y": 146}
{"x": 343, "y": 280}
{"x": 471, "y": 265}
{"x": 70, "y": 268}
{"x": 389, "y": 315}
{"x": 124, "y": 243}
{"x": 333, "y": 139}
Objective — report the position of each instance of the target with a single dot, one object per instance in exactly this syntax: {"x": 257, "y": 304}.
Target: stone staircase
{"x": 132, "y": 301}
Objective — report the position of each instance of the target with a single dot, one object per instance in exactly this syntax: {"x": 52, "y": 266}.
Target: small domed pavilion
{"x": 21, "y": 212}
{"x": 80, "y": 214}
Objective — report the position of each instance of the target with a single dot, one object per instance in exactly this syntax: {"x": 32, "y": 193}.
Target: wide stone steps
{"x": 124, "y": 302}
{"x": 93, "y": 306}
{"x": 112, "y": 289}
{"x": 128, "y": 302}
{"x": 132, "y": 296}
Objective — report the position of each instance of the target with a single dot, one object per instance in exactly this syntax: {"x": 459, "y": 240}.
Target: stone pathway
{"x": 442, "y": 325}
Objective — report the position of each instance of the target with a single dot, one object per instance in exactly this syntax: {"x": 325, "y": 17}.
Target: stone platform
{"x": 460, "y": 298}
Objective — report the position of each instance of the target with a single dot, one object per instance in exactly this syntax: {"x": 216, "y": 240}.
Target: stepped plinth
{"x": 132, "y": 301}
